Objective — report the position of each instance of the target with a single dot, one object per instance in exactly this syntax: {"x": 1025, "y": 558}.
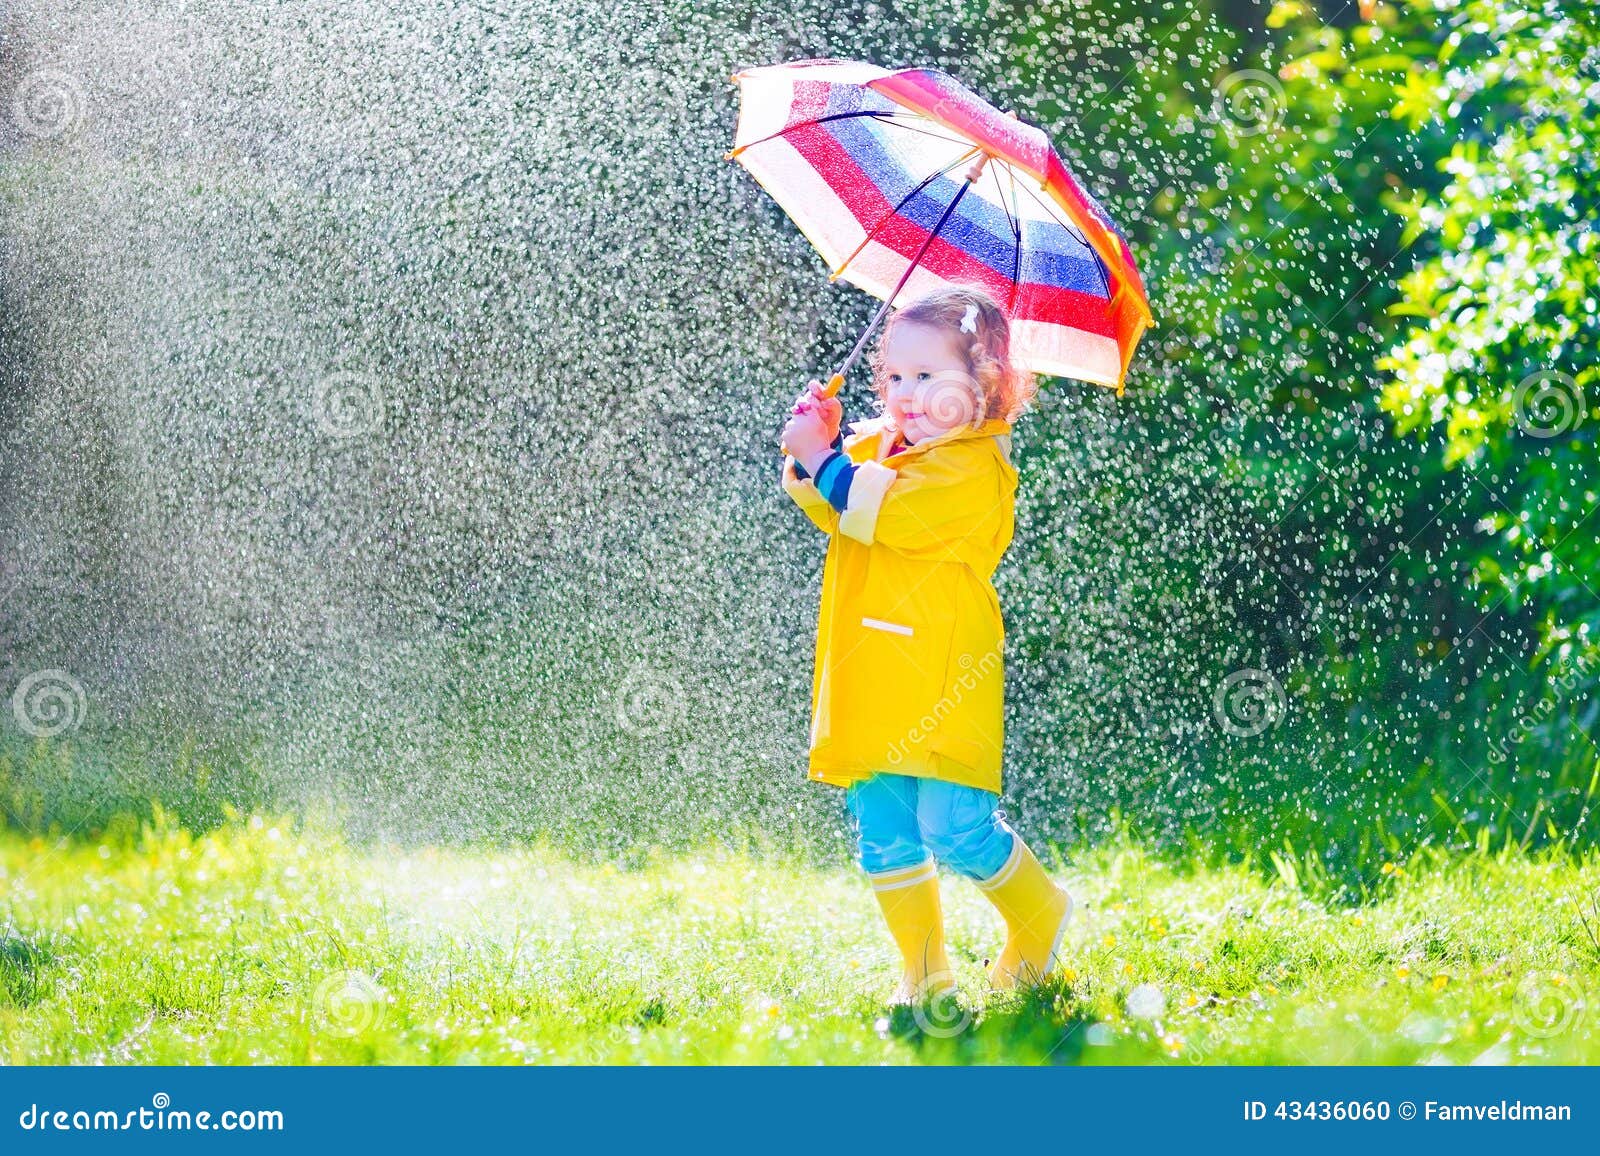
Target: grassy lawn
{"x": 264, "y": 941}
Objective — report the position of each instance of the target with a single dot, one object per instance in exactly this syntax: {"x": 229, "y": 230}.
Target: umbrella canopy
{"x": 909, "y": 179}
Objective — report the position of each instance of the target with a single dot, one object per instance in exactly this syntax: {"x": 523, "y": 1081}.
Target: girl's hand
{"x": 807, "y": 437}
{"x": 829, "y": 409}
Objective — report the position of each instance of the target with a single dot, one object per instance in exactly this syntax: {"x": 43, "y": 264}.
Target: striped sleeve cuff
{"x": 833, "y": 480}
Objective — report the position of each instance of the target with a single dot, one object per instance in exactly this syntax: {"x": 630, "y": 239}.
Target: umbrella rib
{"x": 909, "y": 125}
{"x": 788, "y": 128}
{"x": 1065, "y": 224}
{"x": 861, "y": 342}
{"x": 880, "y": 113}
{"x": 1099, "y": 263}
{"x": 895, "y": 212}
{"x": 1016, "y": 232}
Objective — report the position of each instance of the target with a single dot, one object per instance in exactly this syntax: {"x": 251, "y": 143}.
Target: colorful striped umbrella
{"x": 867, "y": 162}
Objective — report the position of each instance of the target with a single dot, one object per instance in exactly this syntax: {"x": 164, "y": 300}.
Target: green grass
{"x": 270, "y": 941}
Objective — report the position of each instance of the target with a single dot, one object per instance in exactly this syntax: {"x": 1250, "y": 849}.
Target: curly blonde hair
{"x": 1002, "y": 389}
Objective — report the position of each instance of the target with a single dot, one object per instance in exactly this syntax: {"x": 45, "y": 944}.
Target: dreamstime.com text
{"x": 158, "y": 1117}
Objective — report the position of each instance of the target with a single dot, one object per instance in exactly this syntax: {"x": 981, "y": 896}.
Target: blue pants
{"x": 900, "y": 819}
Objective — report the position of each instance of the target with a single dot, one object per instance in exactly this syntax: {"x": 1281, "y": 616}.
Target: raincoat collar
{"x": 884, "y": 428}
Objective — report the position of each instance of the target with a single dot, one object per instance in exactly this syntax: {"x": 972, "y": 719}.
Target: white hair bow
{"x": 969, "y": 323}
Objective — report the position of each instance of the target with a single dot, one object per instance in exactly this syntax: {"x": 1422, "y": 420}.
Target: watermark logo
{"x": 953, "y": 399}
{"x": 49, "y": 703}
{"x": 348, "y": 403}
{"x": 159, "y": 1116}
{"x": 1248, "y": 102}
{"x": 1548, "y": 404}
{"x": 649, "y": 701}
{"x": 942, "y": 1013}
{"x": 937, "y": 1010}
{"x": 348, "y": 1003}
{"x": 1249, "y": 702}
{"x": 48, "y": 105}
{"x": 1547, "y": 1005}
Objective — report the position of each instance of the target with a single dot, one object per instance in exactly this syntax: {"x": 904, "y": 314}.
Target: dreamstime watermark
{"x": 973, "y": 672}
{"x": 953, "y": 399}
{"x": 1556, "y": 691}
{"x": 942, "y": 1013}
{"x": 48, "y": 105}
{"x": 348, "y": 403}
{"x": 348, "y": 1003}
{"x": 938, "y": 1011}
{"x": 48, "y": 703}
{"x": 649, "y": 701}
{"x": 1537, "y": 111}
{"x": 1546, "y": 1006}
{"x": 160, "y": 1116}
{"x": 1249, "y": 702}
{"x": 1548, "y": 404}
{"x": 1248, "y": 102}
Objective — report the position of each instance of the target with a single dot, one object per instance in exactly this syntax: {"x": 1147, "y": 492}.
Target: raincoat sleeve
{"x": 806, "y": 495}
{"x": 931, "y": 507}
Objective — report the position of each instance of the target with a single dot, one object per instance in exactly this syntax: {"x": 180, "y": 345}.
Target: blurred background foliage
{"x": 1371, "y": 229}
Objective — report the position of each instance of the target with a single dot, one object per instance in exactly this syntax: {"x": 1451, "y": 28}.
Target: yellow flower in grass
{"x": 1402, "y": 971}
{"x": 1109, "y": 941}
{"x": 1439, "y": 982}
{"x": 1191, "y": 1000}
{"x": 1069, "y": 975}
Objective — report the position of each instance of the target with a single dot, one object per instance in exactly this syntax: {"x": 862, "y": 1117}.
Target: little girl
{"x": 908, "y": 687}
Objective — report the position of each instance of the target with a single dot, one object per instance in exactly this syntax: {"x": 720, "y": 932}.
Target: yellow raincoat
{"x": 909, "y": 674}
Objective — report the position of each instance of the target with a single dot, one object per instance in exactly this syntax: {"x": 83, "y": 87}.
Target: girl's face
{"x": 927, "y": 389}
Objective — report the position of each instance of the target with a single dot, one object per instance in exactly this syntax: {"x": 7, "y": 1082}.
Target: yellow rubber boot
{"x": 1036, "y": 912}
{"x": 910, "y": 901}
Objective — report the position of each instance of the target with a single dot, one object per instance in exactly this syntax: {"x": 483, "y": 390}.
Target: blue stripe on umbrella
{"x": 1052, "y": 255}
{"x": 1048, "y": 263}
